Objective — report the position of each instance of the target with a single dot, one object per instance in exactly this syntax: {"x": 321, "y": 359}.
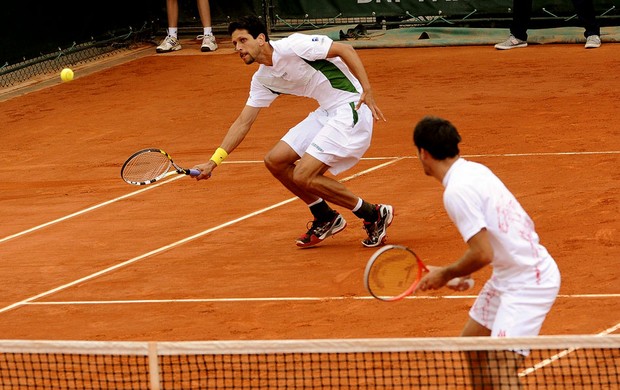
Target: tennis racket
{"x": 150, "y": 165}
{"x": 394, "y": 271}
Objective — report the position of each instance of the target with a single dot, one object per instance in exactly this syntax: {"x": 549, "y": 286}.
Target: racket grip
{"x": 194, "y": 172}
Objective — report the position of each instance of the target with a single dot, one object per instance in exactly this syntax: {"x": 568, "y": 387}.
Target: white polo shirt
{"x": 475, "y": 199}
{"x": 300, "y": 68}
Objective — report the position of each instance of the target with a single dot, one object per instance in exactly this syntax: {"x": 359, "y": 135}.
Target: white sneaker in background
{"x": 593, "y": 41}
{"x": 208, "y": 43}
{"x": 168, "y": 44}
{"x": 511, "y": 43}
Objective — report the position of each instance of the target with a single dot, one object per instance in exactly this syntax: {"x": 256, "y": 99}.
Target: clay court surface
{"x": 85, "y": 256}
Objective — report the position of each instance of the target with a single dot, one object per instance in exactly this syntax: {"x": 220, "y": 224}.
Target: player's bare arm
{"x": 350, "y": 57}
{"x": 478, "y": 255}
{"x": 235, "y": 135}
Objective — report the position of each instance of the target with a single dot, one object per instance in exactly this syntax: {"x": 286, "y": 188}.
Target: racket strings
{"x": 146, "y": 167}
{"x": 392, "y": 273}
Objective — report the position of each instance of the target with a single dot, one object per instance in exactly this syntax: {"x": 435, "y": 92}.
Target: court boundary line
{"x": 86, "y": 210}
{"x": 177, "y": 243}
{"x": 393, "y": 158}
{"x": 283, "y": 299}
{"x": 562, "y": 354}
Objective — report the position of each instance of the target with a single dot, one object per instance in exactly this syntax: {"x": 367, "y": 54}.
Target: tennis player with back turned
{"x": 525, "y": 281}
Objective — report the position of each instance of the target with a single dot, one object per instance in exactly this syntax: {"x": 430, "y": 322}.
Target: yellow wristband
{"x": 219, "y": 156}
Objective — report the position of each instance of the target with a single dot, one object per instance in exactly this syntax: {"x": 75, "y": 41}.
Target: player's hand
{"x": 368, "y": 98}
{"x": 205, "y": 169}
{"x": 441, "y": 278}
{"x": 436, "y": 278}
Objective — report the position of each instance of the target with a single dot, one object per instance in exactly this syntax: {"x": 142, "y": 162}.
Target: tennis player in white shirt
{"x": 332, "y": 138}
{"x": 525, "y": 280}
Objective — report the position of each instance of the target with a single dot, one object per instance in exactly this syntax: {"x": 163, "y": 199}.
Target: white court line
{"x": 225, "y": 300}
{"x": 86, "y": 210}
{"x": 540, "y": 154}
{"x": 152, "y": 186}
{"x": 175, "y": 244}
{"x": 7, "y": 238}
{"x": 544, "y": 154}
{"x": 562, "y": 354}
{"x": 280, "y": 299}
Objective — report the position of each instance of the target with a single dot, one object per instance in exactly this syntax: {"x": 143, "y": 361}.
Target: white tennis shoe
{"x": 208, "y": 43}
{"x": 169, "y": 44}
{"x": 511, "y": 43}
{"x": 593, "y": 41}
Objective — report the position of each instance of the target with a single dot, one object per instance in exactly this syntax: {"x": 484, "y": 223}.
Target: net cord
{"x": 227, "y": 347}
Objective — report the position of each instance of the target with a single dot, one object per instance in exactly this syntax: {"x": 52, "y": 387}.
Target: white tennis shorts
{"x": 338, "y": 138}
{"x": 518, "y": 311}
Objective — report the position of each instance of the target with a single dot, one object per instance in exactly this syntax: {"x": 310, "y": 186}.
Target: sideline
{"x": 174, "y": 244}
{"x": 284, "y": 299}
{"x": 86, "y": 210}
{"x": 392, "y": 159}
{"x": 562, "y": 354}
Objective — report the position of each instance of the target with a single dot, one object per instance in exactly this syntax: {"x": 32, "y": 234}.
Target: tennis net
{"x": 544, "y": 362}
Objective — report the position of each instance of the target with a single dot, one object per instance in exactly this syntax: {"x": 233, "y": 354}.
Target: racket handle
{"x": 194, "y": 172}
{"x": 465, "y": 283}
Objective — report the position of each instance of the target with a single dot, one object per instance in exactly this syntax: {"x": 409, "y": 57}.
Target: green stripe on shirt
{"x": 355, "y": 117}
{"x": 336, "y": 77}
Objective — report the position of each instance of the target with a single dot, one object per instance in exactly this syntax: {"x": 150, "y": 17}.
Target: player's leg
{"x": 309, "y": 174}
{"x": 521, "y": 314}
{"x": 478, "y": 360}
{"x": 171, "y": 41}
{"x": 491, "y": 369}
{"x": 511, "y": 320}
{"x": 481, "y": 317}
{"x": 500, "y": 314}
{"x": 473, "y": 328}
{"x": 339, "y": 145}
{"x": 281, "y": 161}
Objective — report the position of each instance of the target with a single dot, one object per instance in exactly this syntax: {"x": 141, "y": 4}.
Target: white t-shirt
{"x": 300, "y": 68}
{"x": 475, "y": 199}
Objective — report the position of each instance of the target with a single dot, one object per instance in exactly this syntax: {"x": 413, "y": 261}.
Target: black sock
{"x": 322, "y": 211}
{"x": 368, "y": 212}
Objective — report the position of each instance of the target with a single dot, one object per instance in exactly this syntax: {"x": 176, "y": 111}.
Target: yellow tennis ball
{"x": 66, "y": 74}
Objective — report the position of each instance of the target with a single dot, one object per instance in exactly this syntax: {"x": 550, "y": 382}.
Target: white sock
{"x": 173, "y": 31}
{"x": 359, "y": 204}
{"x": 208, "y": 31}
{"x": 315, "y": 202}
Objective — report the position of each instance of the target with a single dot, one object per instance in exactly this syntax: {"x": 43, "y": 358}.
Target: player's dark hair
{"x": 438, "y": 137}
{"x": 252, "y": 24}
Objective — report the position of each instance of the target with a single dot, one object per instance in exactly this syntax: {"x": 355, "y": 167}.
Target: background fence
{"x": 38, "y": 28}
